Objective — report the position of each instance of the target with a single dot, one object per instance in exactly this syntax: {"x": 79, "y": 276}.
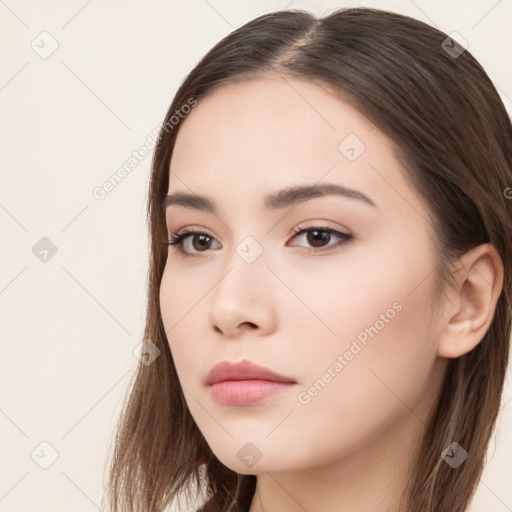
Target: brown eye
{"x": 201, "y": 242}
{"x": 319, "y": 237}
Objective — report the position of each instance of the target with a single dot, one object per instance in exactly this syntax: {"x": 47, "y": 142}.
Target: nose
{"x": 242, "y": 301}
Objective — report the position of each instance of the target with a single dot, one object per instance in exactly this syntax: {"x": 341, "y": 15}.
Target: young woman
{"x": 330, "y": 275}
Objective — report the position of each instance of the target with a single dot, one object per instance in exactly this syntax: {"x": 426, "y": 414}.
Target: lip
{"x": 246, "y": 392}
{"x": 244, "y": 370}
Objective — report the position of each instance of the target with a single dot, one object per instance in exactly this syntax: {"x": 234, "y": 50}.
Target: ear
{"x": 470, "y": 312}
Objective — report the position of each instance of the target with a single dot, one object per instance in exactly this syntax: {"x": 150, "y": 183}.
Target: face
{"x": 332, "y": 291}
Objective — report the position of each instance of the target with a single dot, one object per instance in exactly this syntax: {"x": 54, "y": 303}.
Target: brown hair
{"x": 454, "y": 138}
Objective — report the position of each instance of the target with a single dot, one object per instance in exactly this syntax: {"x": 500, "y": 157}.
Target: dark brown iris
{"x": 317, "y": 238}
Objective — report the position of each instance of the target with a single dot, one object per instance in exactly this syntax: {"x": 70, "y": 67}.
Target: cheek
{"x": 376, "y": 290}
{"x": 386, "y": 367}
{"x": 373, "y": 305}
{"x": 177, "y": 300}
{"x": 379, "y": 345}
{"x": 181, "y": 291}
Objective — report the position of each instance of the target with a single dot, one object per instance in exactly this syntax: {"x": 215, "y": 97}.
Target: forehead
{"x": 251, "y": 138}
{"x": 268, "y": 118}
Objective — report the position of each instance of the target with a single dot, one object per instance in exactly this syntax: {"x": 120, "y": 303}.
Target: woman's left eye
{"x": 316, "y": 236}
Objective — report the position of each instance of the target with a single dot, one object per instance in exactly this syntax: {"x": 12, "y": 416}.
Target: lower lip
{"x": 246, "y": 392}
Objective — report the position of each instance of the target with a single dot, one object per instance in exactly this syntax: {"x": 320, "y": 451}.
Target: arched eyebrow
{"x": 277, "y": 200}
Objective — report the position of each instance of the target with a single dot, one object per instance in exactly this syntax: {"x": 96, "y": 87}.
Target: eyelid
{"x": 319, "y": 224}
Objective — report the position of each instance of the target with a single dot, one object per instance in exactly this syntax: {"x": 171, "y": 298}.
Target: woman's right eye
{"x": 178, "y": 239}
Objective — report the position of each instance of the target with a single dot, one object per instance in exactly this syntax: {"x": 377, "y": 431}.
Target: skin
{"x": 295, "y": 311}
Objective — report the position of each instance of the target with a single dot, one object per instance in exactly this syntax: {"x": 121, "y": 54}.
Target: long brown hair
{"x": 452, "y": 135}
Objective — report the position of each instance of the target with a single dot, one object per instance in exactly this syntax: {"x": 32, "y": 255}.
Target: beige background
{"x": 69, "y": 120}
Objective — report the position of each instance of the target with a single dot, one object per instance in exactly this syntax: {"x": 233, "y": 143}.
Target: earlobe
{"x": 479, "y": 284}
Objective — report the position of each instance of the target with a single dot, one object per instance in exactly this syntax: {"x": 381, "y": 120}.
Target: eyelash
{"x": 177, "y": 239}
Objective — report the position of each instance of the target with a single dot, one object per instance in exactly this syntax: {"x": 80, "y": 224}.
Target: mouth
{"x": 245, "y": 383}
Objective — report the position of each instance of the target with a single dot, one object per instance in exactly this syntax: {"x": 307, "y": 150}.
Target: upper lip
{"x": 243, "y": 370}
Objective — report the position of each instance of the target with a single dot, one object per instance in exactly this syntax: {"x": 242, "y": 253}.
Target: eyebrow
{"x": 280, "y": 199}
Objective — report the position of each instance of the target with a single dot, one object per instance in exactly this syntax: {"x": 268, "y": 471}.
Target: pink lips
{"x": 245, "y": 383}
